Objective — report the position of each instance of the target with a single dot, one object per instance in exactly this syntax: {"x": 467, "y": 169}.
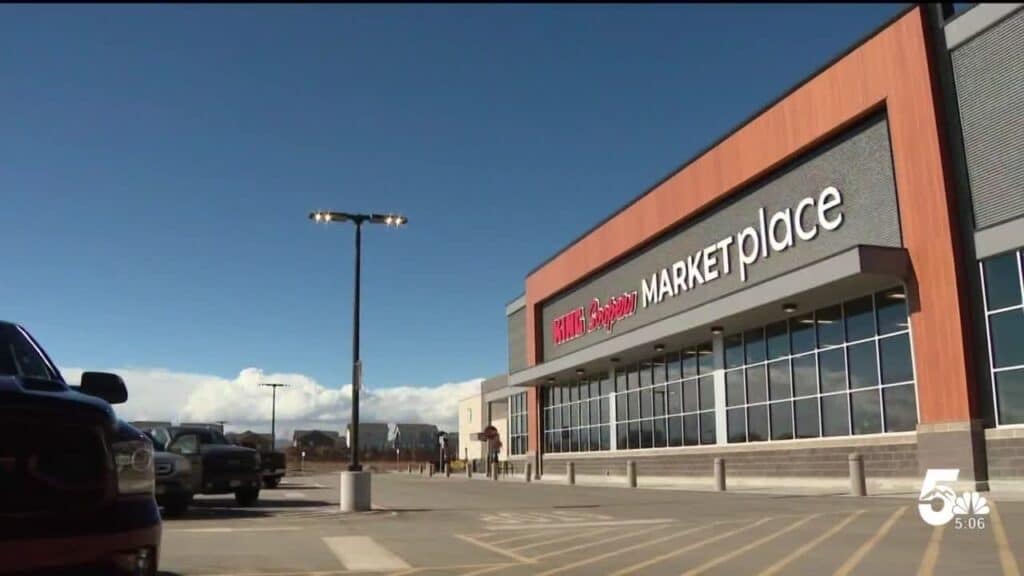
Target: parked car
{"x": 218, "y": 466}
{"x": 272, "y": 462}
{"x": 173, "y": 478}
{"x": 76, "y": 482}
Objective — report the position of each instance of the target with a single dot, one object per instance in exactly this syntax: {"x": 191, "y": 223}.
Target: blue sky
{"x": 157, "y": 164}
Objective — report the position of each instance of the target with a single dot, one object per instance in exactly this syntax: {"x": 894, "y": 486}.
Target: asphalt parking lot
{"x": 468, "y": 527}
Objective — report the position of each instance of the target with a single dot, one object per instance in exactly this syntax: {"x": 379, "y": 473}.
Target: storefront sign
{"x": 769, "y": 235}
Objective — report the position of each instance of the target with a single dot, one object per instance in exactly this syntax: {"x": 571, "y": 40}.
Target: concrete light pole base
{"x": 355, "y": 491}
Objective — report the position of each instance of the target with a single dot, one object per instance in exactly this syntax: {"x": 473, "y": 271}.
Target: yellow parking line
{"x": 530, "y": 534}
{"x": 545, "y": 542}
{"x": 931, "y": 553}
{"x": 726, "y": 557}
{"x": 1006, "y": 558}
{"x": 636, "y": 567}
{"x": 774, "y": 568}
{"x": 598, "y": 543}
{"x": 854, "y": 560}
{"x": 495, "y": 549}
{"x": 616, "y": 552}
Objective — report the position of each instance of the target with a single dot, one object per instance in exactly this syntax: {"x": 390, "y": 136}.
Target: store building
{"x": 841, "y": 273}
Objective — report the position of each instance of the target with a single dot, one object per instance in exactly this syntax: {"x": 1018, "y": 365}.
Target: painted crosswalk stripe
{"x": 362, "y": 553}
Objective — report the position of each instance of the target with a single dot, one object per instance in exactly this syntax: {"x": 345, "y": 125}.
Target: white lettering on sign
{"x": 770, "y": 234}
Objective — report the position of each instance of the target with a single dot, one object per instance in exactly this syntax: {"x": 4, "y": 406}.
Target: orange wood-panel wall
{"x": 890, "y": 69}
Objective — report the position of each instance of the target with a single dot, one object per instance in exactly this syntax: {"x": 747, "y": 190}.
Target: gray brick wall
{"x": 1005, "y": 458}
{"x": 883, "y": 461}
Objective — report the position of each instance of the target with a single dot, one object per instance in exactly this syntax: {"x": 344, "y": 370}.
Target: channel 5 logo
{"x": 950, "y": 504}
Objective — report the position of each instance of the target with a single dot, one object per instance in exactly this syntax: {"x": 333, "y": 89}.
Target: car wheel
{"x": 176, "y": 506}
{"x": 271, "y": 482}
{"x": 247, "y": 497}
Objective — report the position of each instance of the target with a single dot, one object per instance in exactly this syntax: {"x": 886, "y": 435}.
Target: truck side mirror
{"x": 104, "y": 385}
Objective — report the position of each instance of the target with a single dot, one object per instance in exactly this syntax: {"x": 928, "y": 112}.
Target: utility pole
{"x": 273, "y": 413}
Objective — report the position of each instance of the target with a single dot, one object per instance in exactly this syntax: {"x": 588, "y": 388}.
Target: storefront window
{"x": 578, "y": 417}
{"x": 841, "y": 370}
{"x": 517, "y": 429}
{"x": 1004, "y": 316}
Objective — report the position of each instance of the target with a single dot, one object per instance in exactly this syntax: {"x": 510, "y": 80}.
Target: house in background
{"x": 318, "y": 439}
{"x": 250, "y": 439}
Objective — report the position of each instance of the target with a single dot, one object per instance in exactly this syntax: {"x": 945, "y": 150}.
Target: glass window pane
{"x": 1010, "y": 396}
{"x": 777, "y": 335}
{"x": 689, "y": 363}
{"x": 660, "y": 438}
{"x": 634, "y": 435}
{"x": 584, "y": 439}
{"x": 736, "y": 425}
{"x": 607, "y": 385}
{"x": 633, "y": 381}
{"x": 734, "y": 394}
{"x": 707, "y": 393}
{"x": 690, "y": 396}
{"x": 900, "y": 408}
{"x": 778, "y": 380}
{"x": 620, "y": 380}
{"x": 806, "y": 418}
{"x": 805, "y": 375}
{"x": 832, "y": 370}
{"x": 621, "y": 414}
{"x": 801, "y": 331}
{"x": 634, "y": 405}
{"x": 574, "y": 438}
{"x": 691, "y": 430}
{"x": 707, "y": 427}
{"x": 754, "y": 345}
{"x": 675, "y": 398}
{"x": 574, "y": 415}
{"x": 862, "y": 362}
{"x": 565, "y": 440}
{"x": 574, "y": 393}
{"x": 585, "y": 414}
{"x": 675, "y": 431}
{"x": 860, "y": 319}
{"x": 895, "y": 357}
{"x": 659, "y": 400}
{"x": 867, "y": 415}
{"x": 605, "y": 417}
{"x": 782, "y": 420}
{"x": 757, "y": 385}
{"x": 645, "y": 374}
{"x": 757, "y": 423}
{"x": 595, "y": 389}
{"x": 1002, "y": 281}
{"x": 646, "y": 434}
{"x": 595, "y": 411}
{"x": 565, "y": 415}
{"x": 675, "y": 370}
{"x": 557, "y": 418}
{"x": 830, "y": 326}
{"x": 584, "y": 390}
{"x": 891, "y": 310}
{"x": 646, "y": 405}
{"x": 1007, "y": 332}
{"x": 621, "y": 437}
{"x": 734, "y": 351}
{"x": 557, "y": 395}
{"x": 659, "y": 370}
{"x": 605, "y": 441}
{"x": 705, "y": 358}
{"x": 835, "y": 416}
{"x": 595, "y": 438}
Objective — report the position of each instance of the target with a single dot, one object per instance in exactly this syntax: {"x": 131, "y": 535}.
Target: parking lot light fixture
{"x": 390, "y": 220}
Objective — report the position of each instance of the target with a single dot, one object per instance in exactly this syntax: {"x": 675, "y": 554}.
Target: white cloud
{"x": 160, "y": 394}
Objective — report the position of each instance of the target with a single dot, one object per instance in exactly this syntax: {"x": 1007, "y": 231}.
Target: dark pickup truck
{"x": 76, "y": 482}
{"x": 273, "y": 463}
{"x": 218, "y": 466}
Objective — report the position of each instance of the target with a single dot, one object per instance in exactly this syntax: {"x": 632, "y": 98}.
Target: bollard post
{"x": 469, "y": 469}
{"x": 529, "y": 472}
{"x": 447, "y": 469}
{"x": 431, "y": 471}
{"x": 494, "y": 471}
{"x": 570, "y": 473}
{"x": 410, "y": 468}
{"x": 858, "y": 485}
{"x": 421, "y": 468}
{"x": 720, "y": 474}
{"x": 631, "y": 473}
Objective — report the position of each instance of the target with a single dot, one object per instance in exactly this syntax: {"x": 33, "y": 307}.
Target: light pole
{"x": 273, "y": 413}
{"x": 358, "y": 220}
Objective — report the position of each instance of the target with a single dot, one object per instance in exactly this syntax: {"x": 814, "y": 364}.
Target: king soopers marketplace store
{"x": 841, "y": 273}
